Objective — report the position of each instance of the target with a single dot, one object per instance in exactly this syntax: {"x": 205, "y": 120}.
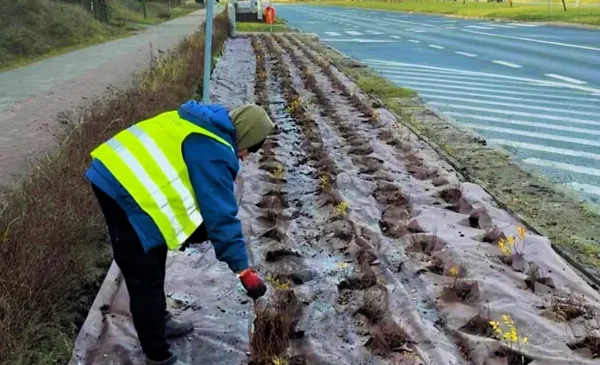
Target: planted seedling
{"x": 388, "y": 337}
{"x": 375, "y": 303}
{"x": 458, "y": 289}
{"x": 436, "y": 266}
{"x": 325, "y": 183}
{"x": 426, "y": 243}
{"x": 294, "y": 106}
{"x": 589, "y": 346}
{"x": 341, "y": 209}
{"x": 507, "y": 332}
{"x": 493, "y": 235}
{"x": 273, "y": 326}
{"x": 570, "y": 307}
{"x": 391, "y": 194}
{"x": 537, "y": 282}
{"x": 479, "y": 325}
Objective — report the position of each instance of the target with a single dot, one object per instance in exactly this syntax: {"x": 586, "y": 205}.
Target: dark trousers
{"x": 144, "y": 275}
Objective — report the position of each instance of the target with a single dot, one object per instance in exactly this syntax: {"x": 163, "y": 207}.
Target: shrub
{"x": 52, "y": 247}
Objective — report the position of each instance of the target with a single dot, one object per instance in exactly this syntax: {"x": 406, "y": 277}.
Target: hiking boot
{"x": 170, "y": 361}
{"x": 176, "y": 328}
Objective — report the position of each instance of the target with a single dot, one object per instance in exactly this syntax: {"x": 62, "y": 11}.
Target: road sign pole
{"x": 208, "y": 32}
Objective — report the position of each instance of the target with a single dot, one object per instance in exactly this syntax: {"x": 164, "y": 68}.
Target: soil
{"x": 346, "y": 218}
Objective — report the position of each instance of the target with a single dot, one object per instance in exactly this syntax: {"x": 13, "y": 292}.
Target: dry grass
{"x": 571, "y": 306}
{"x": 479, "y": 325}
{"x": 375, "y": 303}
{"x": 52, "y": 251}
{"x": 273, "y": 326}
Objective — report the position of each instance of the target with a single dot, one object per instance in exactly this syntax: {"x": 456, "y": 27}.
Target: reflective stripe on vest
{"x": 147, "y": 160}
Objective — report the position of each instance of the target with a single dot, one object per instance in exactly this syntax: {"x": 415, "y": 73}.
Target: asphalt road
{"x": 32, "y": 96}
{"x": 531, "y": 88}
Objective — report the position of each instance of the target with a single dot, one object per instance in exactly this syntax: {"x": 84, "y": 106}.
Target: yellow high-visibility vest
{"x": 147, "y": 159}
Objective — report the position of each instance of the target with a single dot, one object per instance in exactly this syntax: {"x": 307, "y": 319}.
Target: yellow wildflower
{"x": 324, "y": 183}
{"x": 504, "y": 249}
{"x": 522, "y": 232}
{"x": 453, "y": 271}
{"x": 509, "y": 334}
{"x": 279, "y": 361}
{"x": 341, "y": 208}
{"x": 279, "y": 172}
{"x": 511, "y": 240}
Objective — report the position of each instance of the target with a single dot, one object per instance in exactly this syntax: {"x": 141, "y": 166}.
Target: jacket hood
{"x": 214, "y": 118}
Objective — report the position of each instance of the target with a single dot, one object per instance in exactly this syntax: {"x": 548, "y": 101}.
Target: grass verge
{"x": 572, "y": 226}
{"x": 31, "y": 30}
{"x": 588, "y": 15}
{"x": 278, "y": 27}
{"x": 129, "y": 14}
{"x": 53, "y": 251}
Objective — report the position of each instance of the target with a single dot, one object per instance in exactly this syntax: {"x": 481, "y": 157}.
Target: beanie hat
{"x": 252, "y": 125}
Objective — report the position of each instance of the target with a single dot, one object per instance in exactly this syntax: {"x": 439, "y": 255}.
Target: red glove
{"x": 252, "y": 283}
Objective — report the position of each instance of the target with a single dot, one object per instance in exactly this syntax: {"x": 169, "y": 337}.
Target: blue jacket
{"x": 212, "y": 168}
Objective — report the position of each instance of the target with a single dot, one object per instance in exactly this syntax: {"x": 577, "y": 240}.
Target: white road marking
{"x": 464, "y": 72}
{"x": 374, "y": 32}
{"x": 416, "y": 30}
{"x": 407, "y": 22}
{"x": 507, "y": 64}
{"x": 494, "y": 96}
{"x": 545, "y": 125}
{"x": 353, "y": 32}
{"x": 520, "y": 114}
{"x": 358, "y": 40}
{"x": 500, "y": 25}
{"x": 517, "y": 132}
{"x": 396, "y": 36}
{"x": 466, "y": 54}
{"x": 454, "y": 79}
{"x": 478, "y": 27}
{"x": 436, "y": 46}
{"x": 548, "y": 149}
{"x": 513, "y": 105}
{"x": 534, "y": 40}
{"x": 333, "y": 34}
{"x": 533, "y": 92}
{"x": 563, "y": 166}
{"x": 567, "y": 79}
{"x": 451, "y": 27}
{"x": 529, "y": 25}
{"x": 414, "y": 41}
{"x": 588, "y": 189}
{"x": 441, "y": 21}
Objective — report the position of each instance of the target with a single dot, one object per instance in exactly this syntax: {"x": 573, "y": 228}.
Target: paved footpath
{"x": 532, "y": 88}
{"x": 31, "y": 97}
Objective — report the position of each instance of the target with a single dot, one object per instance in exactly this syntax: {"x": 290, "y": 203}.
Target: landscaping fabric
{"x": 380, "y": 253}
